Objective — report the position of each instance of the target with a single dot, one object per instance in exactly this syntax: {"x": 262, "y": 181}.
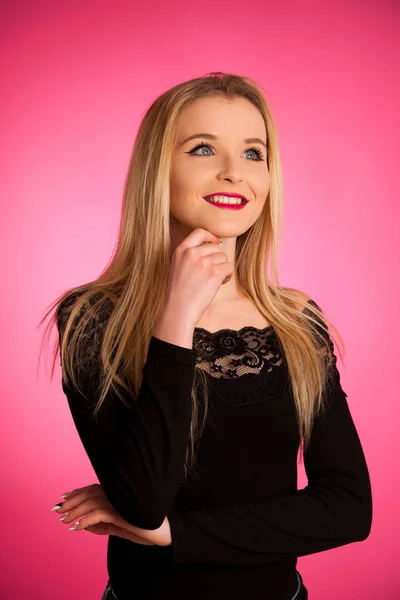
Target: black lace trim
{"x": 229, "y": 353}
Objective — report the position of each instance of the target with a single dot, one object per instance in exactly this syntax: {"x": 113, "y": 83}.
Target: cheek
{"x": 186, "y": 190}
{"x": 189, "y": 175}
{"x": 183, "y": 191}
{"x": 262, "y": 194}
{"x": 264, "y": 185}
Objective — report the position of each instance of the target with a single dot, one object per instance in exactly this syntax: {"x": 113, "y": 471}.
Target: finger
{"x": 86, "y": 507}
{"x": 78, "y": 497}
{"x": 92, "y": 487}
{"x": 199, "y": 236}
{"x": 97, "y": 516}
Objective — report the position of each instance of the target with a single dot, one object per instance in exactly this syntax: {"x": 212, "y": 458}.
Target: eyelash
{"x": 260, "y": 155}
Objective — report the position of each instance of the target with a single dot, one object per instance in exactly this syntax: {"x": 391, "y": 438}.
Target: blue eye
{"x": 258, "y": 152}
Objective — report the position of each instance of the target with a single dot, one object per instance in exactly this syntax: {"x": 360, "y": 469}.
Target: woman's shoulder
{"x": 95, "y": 297}
{"x": 318, "y": 324}
{"x": 302, "y": 297}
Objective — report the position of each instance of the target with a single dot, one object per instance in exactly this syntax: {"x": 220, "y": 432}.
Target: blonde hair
{"x": 130, "y": 291}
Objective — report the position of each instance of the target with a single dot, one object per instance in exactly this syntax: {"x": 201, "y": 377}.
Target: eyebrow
{"x": 209, "y": 136}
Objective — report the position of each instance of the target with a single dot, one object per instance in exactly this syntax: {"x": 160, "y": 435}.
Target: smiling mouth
{"x": 242, "y": 201}
{"x": 228, "y": 205}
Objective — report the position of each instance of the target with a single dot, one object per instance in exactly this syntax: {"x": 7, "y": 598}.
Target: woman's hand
{"x": 99, "y": 517}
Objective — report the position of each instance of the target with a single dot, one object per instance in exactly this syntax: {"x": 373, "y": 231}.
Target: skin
{"x": 95, "y": 513}
{"x": 229, "y": 166}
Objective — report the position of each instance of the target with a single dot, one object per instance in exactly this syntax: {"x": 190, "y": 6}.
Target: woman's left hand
{"x": 99, "y": 517}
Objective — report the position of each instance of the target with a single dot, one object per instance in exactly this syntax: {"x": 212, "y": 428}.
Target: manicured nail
{"x": 57, "y": 506}
{"x": 65, "y": 495}
{"x": 63, "y": 517}
{"x": 74, "y": 526}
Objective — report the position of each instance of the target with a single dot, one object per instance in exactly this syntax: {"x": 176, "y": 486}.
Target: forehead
{"x": 222, "y": 117}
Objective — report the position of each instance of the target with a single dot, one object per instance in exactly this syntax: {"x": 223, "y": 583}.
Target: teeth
{"x": 224, "y": 200}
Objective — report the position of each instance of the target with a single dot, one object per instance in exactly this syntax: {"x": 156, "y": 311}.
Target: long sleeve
{"x": 138, "y": 453}
{"x": 334, "y": 509}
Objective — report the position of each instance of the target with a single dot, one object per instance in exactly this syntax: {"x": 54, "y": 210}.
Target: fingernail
{"x": 57, "y": 506}
{"x": 65, "y": 495}
{"x": 63, "y": 517}
{"x": 74, "y": 526}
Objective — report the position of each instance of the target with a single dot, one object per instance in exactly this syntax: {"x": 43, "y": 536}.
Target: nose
{"x": 231, "y": 174}
{"x": 230, "y": 170}
{"x": 234, "y": 178}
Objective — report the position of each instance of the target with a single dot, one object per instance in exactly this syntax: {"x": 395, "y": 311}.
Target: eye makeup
{"x": 257, "y": 151}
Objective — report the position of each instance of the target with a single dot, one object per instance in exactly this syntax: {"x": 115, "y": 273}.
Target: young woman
{"x": 195, "y": 380}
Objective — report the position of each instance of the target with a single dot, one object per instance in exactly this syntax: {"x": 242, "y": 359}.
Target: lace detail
{"x": 229, "y": 353}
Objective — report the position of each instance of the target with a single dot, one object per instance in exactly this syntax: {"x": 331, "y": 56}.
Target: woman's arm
{"x": 138, "y": 453}
{"x": 334, "y": 509}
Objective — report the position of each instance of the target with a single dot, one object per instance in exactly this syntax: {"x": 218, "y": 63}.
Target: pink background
{"x": 77, "y": 81}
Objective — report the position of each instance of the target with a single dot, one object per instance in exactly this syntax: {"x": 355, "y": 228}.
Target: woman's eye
{"x": 198, "y": 148}
{"x": 256, "y": 151}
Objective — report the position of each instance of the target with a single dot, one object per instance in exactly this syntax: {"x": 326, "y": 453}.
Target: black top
{"x": 238, "y": 527}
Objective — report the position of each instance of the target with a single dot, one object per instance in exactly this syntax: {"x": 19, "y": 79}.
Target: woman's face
{"x": 227, "y": 166}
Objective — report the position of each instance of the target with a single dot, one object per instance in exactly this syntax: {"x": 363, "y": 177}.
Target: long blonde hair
{"x": 131, "y": 290}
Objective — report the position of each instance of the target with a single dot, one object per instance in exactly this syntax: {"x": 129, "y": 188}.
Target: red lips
{"x": 229, "y": 194}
